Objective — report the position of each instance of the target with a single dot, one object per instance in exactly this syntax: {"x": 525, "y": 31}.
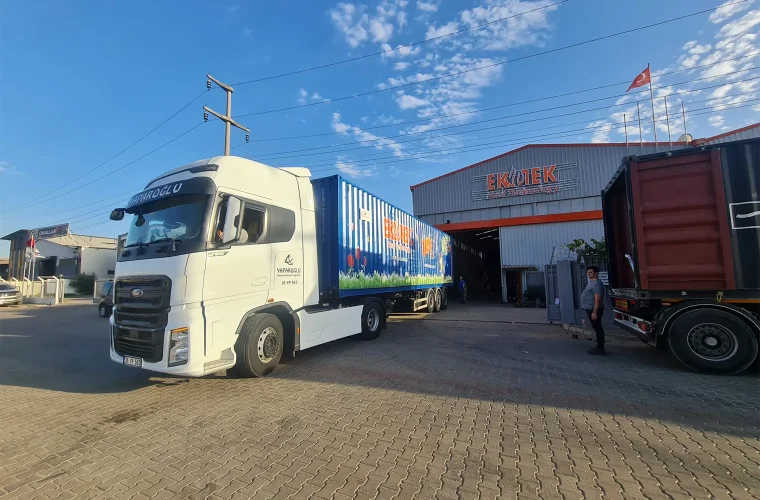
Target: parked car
{"x": 105, "y": 304}
{"x": 9, "y": 295}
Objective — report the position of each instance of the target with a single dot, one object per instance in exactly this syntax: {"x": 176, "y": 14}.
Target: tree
{"x": 84, "y": 284}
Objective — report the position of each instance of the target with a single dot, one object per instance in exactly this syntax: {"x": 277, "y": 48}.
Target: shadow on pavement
{"x": 62, "y": 348}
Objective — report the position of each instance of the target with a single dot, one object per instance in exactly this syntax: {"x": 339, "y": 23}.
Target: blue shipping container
{"x": 365, "y": 245}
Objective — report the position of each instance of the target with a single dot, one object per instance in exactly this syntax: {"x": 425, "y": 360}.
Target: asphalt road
{"x": 431, "y": 409}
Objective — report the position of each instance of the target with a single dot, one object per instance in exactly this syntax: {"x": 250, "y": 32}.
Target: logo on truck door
{"x": 289, "y": 272}
{"x": 745, "y": 215}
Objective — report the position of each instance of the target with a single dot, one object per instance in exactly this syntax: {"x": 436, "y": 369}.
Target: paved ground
{"x": 432, "y": 409}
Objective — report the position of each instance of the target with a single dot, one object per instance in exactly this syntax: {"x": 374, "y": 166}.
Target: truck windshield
{"x": 179, "y": 218}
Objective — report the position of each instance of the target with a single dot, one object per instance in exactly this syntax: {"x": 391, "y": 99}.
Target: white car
{"x": 9, "y": 295}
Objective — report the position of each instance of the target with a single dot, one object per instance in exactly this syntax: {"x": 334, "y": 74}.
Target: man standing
{"x": 592, "y": 300}
{"x": 462, "y": 289}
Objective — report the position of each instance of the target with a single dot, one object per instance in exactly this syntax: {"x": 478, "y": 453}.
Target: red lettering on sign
{"x": 504, "y": 181}
{"x": 526, "y": 175}
{"x": 549, "y": 175}
{"x": 491, "y": 182}
{"x": 535, "y": 175}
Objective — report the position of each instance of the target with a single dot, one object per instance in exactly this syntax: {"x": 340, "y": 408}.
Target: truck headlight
{"x": 178, "y": 346}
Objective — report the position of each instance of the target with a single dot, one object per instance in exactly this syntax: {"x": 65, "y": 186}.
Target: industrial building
{"x": 515, "y": 212}
{"x": 64, "y": 254}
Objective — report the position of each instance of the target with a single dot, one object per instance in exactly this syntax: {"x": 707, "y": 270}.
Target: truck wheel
{"x": 438, "y": 300}
{"x": 431, "y": 301}
{"x": 372, "y": 320}
{"x": 712, "y": 341}
{"x": 259, "y": 345}
{"x": 444, "y": 299}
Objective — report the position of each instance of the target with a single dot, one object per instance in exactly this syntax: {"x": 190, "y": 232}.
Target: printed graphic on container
{"x": 383, "y": 247}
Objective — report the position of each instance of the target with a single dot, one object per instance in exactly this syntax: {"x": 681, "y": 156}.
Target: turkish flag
{"x": 642, "y": 79}
{"x": 30, "y": 242}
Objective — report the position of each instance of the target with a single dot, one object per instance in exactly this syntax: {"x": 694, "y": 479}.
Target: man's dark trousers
{"x": 597, "y": 326}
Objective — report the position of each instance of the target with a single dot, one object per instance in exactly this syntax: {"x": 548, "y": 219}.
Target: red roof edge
{"x": 570, "y": 145}
{"x": 697, "y": 142}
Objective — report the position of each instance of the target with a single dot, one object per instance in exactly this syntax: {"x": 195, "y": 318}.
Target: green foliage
{"x": 84, "y": 284}
{"x": 582, "y": 248}
{"x": 359, "y": 280}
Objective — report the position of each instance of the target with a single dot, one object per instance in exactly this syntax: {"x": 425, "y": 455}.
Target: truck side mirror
{"x": 117, "y": 214}
{"x": 231, "y": 231}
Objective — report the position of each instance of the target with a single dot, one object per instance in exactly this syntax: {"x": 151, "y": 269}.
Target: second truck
{"x": 683, "y": 237}
{"x": 230, "y": 263}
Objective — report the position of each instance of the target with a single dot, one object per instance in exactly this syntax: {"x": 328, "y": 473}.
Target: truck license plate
{"x": 130, "y": 361}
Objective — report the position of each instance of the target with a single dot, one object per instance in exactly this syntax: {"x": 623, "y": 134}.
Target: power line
{"x": 128, "y": 164}
{"x": 421, "y": 149}
{"x": 530, "y": 101}
{"x": 556, "y": 135}
{"x": 288, "y": 154}
{"x": 500, "y": 63}
{"x": 413, "y": 44}
{"x": 120, "y": 152}
{"x": 724, "y": 107}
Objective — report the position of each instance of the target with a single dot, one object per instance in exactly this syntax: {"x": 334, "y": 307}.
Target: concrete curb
{"x": 451, "y": 320}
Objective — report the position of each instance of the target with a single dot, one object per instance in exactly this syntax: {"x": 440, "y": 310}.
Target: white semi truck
{"x": 230, "y": 263}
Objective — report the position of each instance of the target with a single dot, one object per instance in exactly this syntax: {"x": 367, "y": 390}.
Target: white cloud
{"x": 399, "y": 52}
{"x": 401, "y": 66}
{"x": 381, "y": 31}
{"x": 351, "y": 169}
{"x": 351, "y": 23}
{"x": 446, "y": 29}
{"x": 368, "y": 139}
{"x": 602, "y": 129}
{"x": 406, "y": 101}
{"x": 728, "y": 10}
{"x": 302, "y": 96}
{"x": 357, "y": 25}
{"x": 742, "y": 25}
{"x": 7, "y": 167}
{"x": 520, "y": 27}
{"x": 316, "y": 96}
{"x": 426, "y": 6}
{"x": 717, "y": 121}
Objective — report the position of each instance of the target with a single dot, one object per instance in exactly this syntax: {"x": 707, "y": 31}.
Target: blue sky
{"x": 84, "y": 80}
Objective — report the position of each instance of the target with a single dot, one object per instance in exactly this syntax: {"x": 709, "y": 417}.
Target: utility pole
{"x": 226, "y": 118}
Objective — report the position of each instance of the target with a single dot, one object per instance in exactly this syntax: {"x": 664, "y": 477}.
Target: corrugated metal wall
{"x": 532, "y": 245}
{"x": 458, "y": 192}
{"x": 752, "y": 133}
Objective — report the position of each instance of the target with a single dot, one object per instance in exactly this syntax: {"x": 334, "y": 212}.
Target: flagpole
{"x": 651, "y": 98}
{"x": 667, "y": 118}
{"x": 641, "y": 139}
{"x": 683, "y": 113}
{"x": 625, "y": 127}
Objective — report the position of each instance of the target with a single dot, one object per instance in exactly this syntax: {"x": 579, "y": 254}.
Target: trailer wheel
{"x": 373, "y": 316}
{"x": 259, "y": 345}
{"x": 444, "y": 299}
{"x": 438, "y": 300}
{"x": 712, "y": 341}
{"x": 431, "y": 301}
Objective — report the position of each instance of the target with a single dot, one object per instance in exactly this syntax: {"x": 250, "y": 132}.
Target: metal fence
{"x": 43, "y": 290}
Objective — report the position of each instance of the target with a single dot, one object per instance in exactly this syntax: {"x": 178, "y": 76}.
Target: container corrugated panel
{"x": 532, "y": 245}
{"x": 582, "y": 171}
{"x": 366, "y": 245}
{"x": 683, "y": 239}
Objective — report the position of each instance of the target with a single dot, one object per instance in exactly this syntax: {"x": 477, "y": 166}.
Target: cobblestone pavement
{"x": 431, "y": 409}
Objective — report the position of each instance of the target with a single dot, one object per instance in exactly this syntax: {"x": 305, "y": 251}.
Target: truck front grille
{"x": 139, "y": 344}
{"x": 141, "y": 313}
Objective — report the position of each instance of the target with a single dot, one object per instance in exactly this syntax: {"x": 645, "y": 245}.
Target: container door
{"x": 681, "y": 221}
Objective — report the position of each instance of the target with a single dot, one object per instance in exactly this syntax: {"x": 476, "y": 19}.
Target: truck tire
{"x": 712, "y": 341}
{"x": 373, "y": 316}
{"x": 438, "y": 300}
{"x": 259, "y": 345}
{"x": 431, "y": 301}
{"x": 444, "y": 299}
